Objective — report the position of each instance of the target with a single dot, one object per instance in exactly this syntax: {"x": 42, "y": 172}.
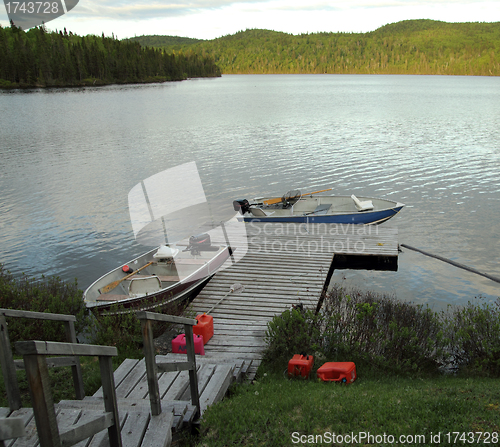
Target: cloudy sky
{"x": 209, "y": 19}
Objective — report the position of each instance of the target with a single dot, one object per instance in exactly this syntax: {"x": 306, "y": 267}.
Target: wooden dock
{"x": 142, "y": 403}
{"x": 138, "y": 426}
{"x": 281, "y": 265}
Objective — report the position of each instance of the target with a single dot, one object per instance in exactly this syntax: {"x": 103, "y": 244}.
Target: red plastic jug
{"x": 204, "y": 327}
{"x": 300, "y": 365}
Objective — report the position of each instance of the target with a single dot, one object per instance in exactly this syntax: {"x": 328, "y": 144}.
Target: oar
{"x": 272, "y": 201}
{"x": 112, "y": 285}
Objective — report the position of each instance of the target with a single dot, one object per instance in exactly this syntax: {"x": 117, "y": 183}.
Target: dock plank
{"x": 154, "y": 435}
{"x": 132, "y": 379}
{"x": 120, "y": 373}
{"x": 134, "y": 428}
{"x": 178, "y": 387}
{"x": 217, "y": 387}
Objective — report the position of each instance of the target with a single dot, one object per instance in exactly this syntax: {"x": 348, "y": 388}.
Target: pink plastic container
{"x": 179, "y": 344}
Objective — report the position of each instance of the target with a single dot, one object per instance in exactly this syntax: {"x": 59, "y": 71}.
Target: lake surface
{"x": 69, "y": 157}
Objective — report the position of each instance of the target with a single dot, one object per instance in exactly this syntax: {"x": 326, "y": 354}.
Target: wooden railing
{"x": 152, "y": 368}
{"x": 34, "y": 354}
{"x": 9, "y": 365}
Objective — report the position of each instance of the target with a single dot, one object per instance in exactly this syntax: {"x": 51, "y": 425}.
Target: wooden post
{"x": 151, "y": 368}
{"x": 8, "y": 368}
{"x": 69, "y": 327}
{"x": 43, "y": 405}
{"x": 193, "y": 377}
{"x": 35, "y": 360}
{"x": 324, "y": 292}
{"x": 110, "y": 403}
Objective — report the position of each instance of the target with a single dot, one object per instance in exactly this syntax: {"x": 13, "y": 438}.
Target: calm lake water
{"x": 68, "y": 159}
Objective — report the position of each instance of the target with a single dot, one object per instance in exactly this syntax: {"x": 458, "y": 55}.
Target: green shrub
{"x": 295, "y": 331}
{"x": 393, "y": 335}
{"x": 390, "y": 334}
{"x": 50, "y": 295}
{"x": 124, "y": 330}
{"x": 474, "y": 331}
{"x": 365, "y": 328}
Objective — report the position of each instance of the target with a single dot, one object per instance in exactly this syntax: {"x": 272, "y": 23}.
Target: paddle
{"x": 277, "y": 200}
{"x": 112, "y": 285}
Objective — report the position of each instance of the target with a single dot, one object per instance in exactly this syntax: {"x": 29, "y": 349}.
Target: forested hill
{"x": 38, "y": 58}
{"x": 168, "y": 42}
{"x": 408, "y": 47}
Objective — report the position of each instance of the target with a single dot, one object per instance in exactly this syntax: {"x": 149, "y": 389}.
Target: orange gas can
{"x": 300, "y": 365}
{"x": 205, "y": 327}
{"x": 344, "y": 372}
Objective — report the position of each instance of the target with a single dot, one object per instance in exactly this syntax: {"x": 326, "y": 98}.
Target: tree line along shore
{"x": 39, "y": 58}
{"x": 425, "y": 47}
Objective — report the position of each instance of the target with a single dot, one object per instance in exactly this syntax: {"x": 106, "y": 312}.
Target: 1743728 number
{"x": 32, "y": 7}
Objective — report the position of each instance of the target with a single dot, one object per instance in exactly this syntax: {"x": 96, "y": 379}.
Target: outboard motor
{"x": 200, "y": 242}
{"x": 241, "y": 205}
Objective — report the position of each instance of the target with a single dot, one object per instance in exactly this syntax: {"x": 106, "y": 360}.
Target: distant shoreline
{"x": 6, "y": 85}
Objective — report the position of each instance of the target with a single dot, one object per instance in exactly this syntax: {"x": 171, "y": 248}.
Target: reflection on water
{"x": 70, "y": 158}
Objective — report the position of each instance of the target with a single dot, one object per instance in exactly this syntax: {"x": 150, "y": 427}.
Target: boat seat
{"x": 257, "y": 212}
{"x": 322, "y": 209}
{"x": 365, "y": 205}
{"x": 144, "y": 286}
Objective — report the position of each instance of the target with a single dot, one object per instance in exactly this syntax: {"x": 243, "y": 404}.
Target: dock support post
{"x": 325, "y": 285}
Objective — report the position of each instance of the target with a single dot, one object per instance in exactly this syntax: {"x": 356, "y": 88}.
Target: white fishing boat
{"x": 160, "y": 276}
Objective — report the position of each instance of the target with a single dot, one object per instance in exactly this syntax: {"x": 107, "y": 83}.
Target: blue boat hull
{"x": 361, "y": 218}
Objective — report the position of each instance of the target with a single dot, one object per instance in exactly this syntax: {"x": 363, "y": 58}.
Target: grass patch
{"x": 270, "y": 411}
{"x": 404, "y": 389}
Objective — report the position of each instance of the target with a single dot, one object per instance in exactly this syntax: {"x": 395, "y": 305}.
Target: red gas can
{"x": 344, "y": 372}
{"x": 179, "y": 344}
{"x": 204, "y": 327}
{"x": 300, "y": 365}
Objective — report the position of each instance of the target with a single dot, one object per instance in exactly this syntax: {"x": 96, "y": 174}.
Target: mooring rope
{"x": 456, "y": 264}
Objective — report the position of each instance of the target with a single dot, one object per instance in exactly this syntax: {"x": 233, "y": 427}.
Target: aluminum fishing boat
{"x": 160, "y": 276}
{"x": 310, "y": 208}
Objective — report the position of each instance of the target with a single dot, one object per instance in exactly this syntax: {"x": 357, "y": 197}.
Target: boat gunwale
{"x": 396, "y": 204}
